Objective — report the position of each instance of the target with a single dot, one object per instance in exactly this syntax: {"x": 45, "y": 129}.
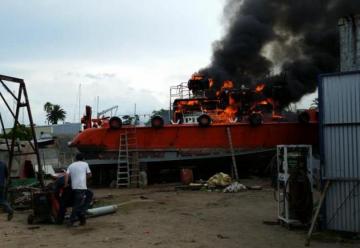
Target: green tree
{"x": 164, "y": 113}
{"x": 48, "y": 107}
{"x": 20, "y": 131}
{"x": 161, "y": 112}
{"x": 54, "y": 113}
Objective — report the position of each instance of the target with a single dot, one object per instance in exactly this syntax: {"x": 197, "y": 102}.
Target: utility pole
{"x": 97, "y": 105}
{"x": 79, "y": 101}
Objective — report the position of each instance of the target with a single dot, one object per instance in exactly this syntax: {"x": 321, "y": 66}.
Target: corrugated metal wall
{"x": 340, "y": 141}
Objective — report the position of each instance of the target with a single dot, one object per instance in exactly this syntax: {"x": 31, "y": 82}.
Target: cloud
{"x": 117, "y": 51}
{"x": 119, "y": 84}
{"x": 100, "y": 76}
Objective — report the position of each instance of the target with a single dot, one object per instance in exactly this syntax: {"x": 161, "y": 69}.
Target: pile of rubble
{"x": 220, "y": 182}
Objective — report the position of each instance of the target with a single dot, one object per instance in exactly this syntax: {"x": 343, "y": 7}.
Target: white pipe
{"x": 95, "y": 212}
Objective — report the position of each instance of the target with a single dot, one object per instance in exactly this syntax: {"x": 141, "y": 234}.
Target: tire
{"x": 304, "y": 117}
{"x": 255, "y": 119}
{"x": 204, "y": 120}
{"x": 157, "y": 121}
{"x": 115, "y": 123}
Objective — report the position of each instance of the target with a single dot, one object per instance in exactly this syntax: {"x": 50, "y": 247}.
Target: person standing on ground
{"x": 3, "y": 202}
{"x": 78, "y": 171}
{"x": 64, "y": 196}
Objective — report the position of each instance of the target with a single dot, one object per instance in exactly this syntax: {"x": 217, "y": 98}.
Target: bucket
{"x": 186, "y": 176}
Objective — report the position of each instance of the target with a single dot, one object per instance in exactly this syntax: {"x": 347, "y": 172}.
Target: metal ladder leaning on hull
{"x": 128, "y": 159}
{"x": 233, "y": 158}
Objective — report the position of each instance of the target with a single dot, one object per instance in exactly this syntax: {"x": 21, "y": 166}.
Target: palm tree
{"x": 48, "y": 106}
{"x": 54, "y": 113}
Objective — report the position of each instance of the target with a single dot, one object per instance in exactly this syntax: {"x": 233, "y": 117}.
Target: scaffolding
{"x": 21, "y": 102}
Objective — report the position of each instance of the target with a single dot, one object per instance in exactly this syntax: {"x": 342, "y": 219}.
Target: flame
{"x": 188, "y": 103}
{"x": 211, "y": 82}
{"x": 264, "y": 102}
{"x": 259, "y": 88}
{"x": 200, "y": 77}
{"x": 230, "y": 111}
{"x": 197, "y": 76}
{"x": 227, "y": 84}
{"x": 184, "y": 105}
{"x": 224, "y": 116}
{"x": 244, "y": 102}
{"x": 270, "y": 101}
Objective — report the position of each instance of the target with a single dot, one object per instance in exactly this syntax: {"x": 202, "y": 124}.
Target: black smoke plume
{"x": 296, "y": 38}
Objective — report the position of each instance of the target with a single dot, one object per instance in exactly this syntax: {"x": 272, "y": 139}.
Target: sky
{"x": 124, "y": 52}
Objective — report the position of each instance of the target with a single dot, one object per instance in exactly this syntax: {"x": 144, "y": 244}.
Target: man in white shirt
{"x": 79, "y": 172}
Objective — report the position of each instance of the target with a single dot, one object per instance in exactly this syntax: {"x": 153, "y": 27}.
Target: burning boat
{"x": 225, "y": 110}
{"x": 205, "y": 124}
{"x": 199, "y": 103}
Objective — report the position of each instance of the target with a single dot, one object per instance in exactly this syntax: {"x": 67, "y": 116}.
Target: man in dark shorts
{"x": 79, "y": 172}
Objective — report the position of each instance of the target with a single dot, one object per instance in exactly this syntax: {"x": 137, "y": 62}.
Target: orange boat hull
{"x": 178, "y": 137}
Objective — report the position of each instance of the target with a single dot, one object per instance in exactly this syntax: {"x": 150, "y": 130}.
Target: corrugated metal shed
{"x": 349, "y": 29}
{"x": 67, "y": 128}
{"x": 340, "y": 149}
{"x": 59, "y": 129}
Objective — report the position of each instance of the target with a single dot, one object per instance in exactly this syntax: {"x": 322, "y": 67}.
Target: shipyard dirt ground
{"x": 163, "y": 217}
